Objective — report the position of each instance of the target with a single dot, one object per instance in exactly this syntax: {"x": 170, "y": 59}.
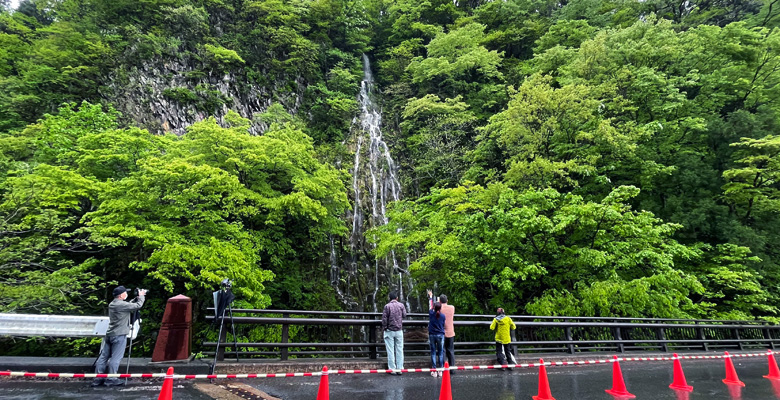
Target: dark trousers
{"x": 504, "y": 354}
{"x": 449, "y": 349}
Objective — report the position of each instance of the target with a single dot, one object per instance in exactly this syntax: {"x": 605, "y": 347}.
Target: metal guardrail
{"x": 489, "y": 317}
{"x": 359, "y": 332}
{"x": 52, "y": 325}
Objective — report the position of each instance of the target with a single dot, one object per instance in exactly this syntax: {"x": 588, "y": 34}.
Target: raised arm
{"x": 132, "y": 306}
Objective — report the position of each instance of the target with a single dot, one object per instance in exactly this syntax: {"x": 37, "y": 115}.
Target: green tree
{"x": 558, "y": 137}
{"x": 457, "y": 64}
{"x": 497, "y": 246}
{"x": 221, "y": 203}
{"x": 755, "y": 187}
{"x": 46, "y": 262}
{"x": 334, "y": 104}
{"x": 439, "y": 135}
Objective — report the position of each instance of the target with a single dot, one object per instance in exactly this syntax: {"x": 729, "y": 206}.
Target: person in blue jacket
{"x": 436, "y": 334}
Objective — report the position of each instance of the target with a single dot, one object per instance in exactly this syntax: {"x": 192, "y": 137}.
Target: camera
{"x": 226, "y": 284}
{"x": 139, "y": 290}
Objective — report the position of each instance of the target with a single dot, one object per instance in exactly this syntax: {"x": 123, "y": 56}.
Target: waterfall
{"x": 374, "y": 184}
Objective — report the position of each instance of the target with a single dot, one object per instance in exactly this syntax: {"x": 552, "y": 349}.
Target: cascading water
{"x": 374, "y": 184}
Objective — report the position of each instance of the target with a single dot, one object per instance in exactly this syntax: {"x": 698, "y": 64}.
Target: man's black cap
{"x": 119, "y": 290}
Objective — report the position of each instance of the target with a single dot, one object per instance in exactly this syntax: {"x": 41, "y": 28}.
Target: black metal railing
{"x": 356, "y": 334}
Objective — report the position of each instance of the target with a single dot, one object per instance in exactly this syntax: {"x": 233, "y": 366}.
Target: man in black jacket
{"x": 113, "y": 348}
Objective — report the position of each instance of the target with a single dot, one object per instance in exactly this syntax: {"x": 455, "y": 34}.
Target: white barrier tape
{"x": 371, "y": 371}
{"x": 160, "y": 375}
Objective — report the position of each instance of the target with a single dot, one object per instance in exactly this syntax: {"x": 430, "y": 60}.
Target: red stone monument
{"x": 173, "y": 341}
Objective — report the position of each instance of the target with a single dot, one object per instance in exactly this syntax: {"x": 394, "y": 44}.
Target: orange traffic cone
{"x": 324, "y": 391}
{"x": 774, "y": 372}
{"x": 679, "y": 382}
{"x": 544, "y": 384}
{"x": 731, "y": 373}
{"x": 446, "y": 386}
{"x": 618, "y": 385}
{"x": 167, "y": 388}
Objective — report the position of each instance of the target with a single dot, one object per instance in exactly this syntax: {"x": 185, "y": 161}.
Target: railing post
{"x": 662, "y": 336}
{"x": 740, "y": 345}
{"x": 768, "y": 337}
{"x": 285, "y": 338}
{"x": 700, "y": 335}
{"x": 569, "y": 337}
{"x": 619, "y": 340}
{"x": 372, "y": 353}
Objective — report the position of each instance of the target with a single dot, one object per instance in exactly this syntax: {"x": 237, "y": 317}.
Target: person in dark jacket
{"x": 113, "y": 347}
{"x": 393, "y": 327}
{"x": 436, "y": 334}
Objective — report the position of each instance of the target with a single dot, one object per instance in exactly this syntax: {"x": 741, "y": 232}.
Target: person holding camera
{"x": 113, "y": 347}
{"x": 436, "y": 321}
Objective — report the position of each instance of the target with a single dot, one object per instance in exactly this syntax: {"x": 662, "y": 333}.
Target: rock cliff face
{"x": 167, "y": 96}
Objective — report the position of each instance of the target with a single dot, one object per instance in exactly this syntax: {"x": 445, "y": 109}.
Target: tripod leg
{"x": 219, "y": 341}
{"x": 233, "y": 326}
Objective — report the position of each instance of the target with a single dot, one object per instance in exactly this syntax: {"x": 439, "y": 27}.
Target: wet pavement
{"x": 647, "y": 380}
{"x": 38, "y": 389}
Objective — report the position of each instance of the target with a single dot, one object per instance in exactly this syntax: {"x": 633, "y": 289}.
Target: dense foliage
{"x": 87, "y": 205}
{"x": 584, "y": 157}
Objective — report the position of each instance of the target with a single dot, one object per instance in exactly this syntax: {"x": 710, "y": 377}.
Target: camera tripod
{"x": 223, "y": 302}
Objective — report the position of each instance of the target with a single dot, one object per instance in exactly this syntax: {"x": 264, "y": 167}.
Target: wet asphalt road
{"x": 647, "y": 380}
{"x": 28, "y": 389}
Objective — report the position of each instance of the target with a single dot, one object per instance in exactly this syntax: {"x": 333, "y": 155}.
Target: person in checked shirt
{"x": 392, "y": 324}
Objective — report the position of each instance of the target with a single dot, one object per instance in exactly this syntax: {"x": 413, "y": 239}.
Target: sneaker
{"x": 96, "y": 383}
{"x": 116, "y": 383}
{"x": 434, "y": 374}
{"x": 399, "y": 373}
